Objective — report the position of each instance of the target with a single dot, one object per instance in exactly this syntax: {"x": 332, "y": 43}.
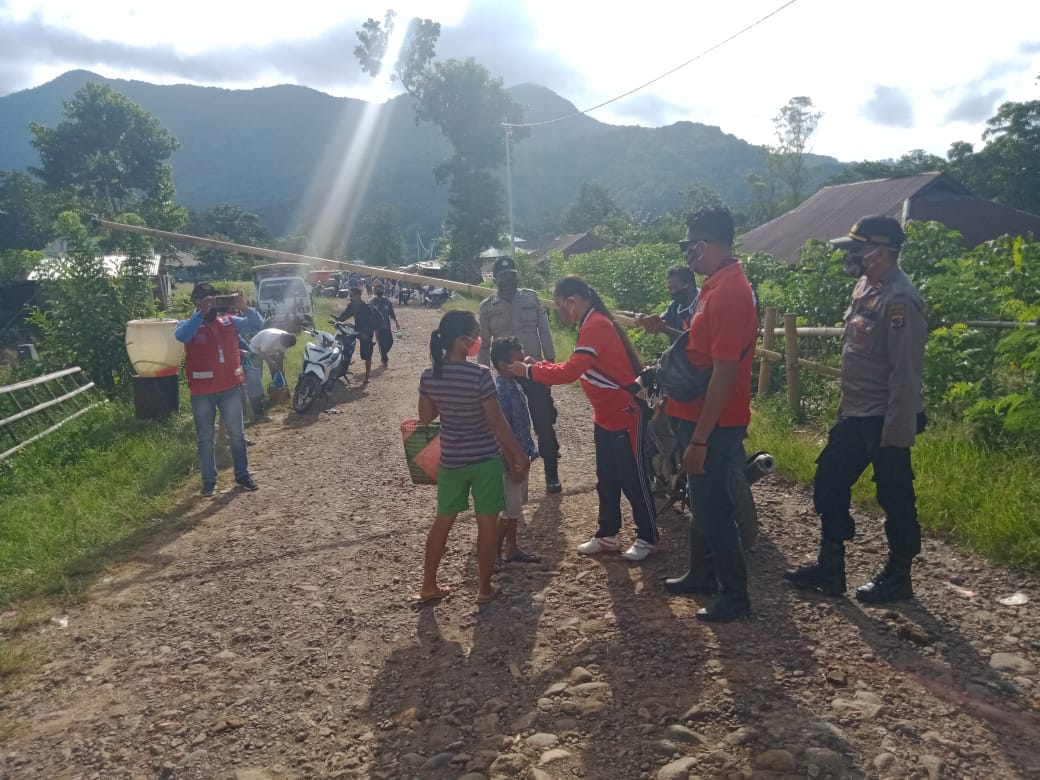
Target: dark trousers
{"x": 385, "y": 340}
{"x": 714, "y": 508}
{"x": 619, "y": 470}
{"x": 853, "y": 444}
{"x": 543, "y": 418}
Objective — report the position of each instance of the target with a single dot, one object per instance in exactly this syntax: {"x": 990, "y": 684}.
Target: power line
{"x": 663, "y": 75}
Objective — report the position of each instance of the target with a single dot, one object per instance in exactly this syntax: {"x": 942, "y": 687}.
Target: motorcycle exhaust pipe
{"x": 759, "y": 465}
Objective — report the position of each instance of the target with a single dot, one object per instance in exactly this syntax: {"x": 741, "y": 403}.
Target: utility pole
{"x": 509, "y": 191}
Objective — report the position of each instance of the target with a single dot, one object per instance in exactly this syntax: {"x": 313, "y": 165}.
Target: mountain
{"x": 276, "y": 151}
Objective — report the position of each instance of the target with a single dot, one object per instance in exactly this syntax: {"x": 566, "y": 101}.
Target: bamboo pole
{"x": 794, "y": 390}
{"x": 765, "y": 368}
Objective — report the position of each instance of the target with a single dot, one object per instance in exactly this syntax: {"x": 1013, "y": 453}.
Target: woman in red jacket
{"x": 607, "y": 365}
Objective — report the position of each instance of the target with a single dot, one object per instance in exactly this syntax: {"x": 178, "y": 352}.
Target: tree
{"x": 111, "y": 154}
{"x": 27, "y": 212}
{"x": 470, "y": 108}
{"x": 594, "y": 207}
{"x": 912, "y": 163}
{"x": 377, "y": 239}
{"x": 1008, "y": 167}
{"x": 226, "y": 223}
{"x": 788, "y": 160}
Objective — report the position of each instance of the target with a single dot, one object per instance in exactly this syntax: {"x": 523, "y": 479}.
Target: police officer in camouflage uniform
{"x": 881, "y": 411}
{"x": 515, "y": 312}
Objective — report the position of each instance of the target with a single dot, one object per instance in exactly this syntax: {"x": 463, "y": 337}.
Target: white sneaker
{"x": 639, "y": 551}
{"x": 599, "y": 544}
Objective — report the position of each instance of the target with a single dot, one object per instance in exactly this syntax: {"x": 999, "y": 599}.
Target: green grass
{"x": 985, "y": 500}
{"x": 72, "y": 500}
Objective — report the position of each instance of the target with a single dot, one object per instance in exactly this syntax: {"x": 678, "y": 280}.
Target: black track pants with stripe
{"x": 619, "y": 469}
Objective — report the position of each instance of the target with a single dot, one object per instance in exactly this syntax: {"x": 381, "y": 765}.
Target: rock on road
{"x": 270, "y": 635}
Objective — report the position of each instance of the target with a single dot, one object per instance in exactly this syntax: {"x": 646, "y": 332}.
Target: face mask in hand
{"x": 474, "y": 348}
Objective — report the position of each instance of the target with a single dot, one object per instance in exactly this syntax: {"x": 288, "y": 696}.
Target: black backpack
{"x": 677, "y": 377}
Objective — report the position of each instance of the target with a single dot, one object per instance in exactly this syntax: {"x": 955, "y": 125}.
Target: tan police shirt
{"x": 523, "y": 317}
{"x": 883, "y": 356}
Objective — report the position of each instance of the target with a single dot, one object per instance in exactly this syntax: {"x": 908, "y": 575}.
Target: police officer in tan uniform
{"x": 880, "y": 412}
{"x": 512, "y": 311}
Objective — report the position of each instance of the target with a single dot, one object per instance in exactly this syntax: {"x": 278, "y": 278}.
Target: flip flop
{"x": 494, "y": 594}
{"x": 440, "y": 595}
{"x": 524, "y": 556}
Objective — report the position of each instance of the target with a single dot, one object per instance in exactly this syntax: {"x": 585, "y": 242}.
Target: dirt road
{"x": 270, "y": 635}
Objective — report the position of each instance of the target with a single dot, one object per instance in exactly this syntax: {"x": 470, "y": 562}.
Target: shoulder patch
{"x": 896, "y": 315}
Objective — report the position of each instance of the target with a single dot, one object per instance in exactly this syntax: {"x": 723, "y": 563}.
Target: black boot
{"x": 892, "y": 583}
{"x": 552, "y": 476}
{"x": 700, "y": 576}
{"x": 827, "y": 575}
{"x": 733, "y": 602}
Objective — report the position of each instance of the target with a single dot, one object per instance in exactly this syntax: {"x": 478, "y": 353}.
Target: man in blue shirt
{"x": 682, "y": 287}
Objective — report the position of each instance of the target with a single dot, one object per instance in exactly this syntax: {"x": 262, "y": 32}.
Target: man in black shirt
{"x": 365, "y": 323}
{"x": 383, "y": 307}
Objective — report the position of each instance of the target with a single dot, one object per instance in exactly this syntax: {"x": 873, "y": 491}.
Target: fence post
{"x": 765, "y": 368}
{"x": 794, "y": 390}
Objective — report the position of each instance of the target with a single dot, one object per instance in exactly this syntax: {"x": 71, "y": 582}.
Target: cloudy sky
{"x": 889, "y": 76}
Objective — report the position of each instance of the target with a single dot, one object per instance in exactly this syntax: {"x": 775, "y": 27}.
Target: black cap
{"x": 503, "y": 264}
{"x": 203, "y": 290}
{"x": 875, "y": 230}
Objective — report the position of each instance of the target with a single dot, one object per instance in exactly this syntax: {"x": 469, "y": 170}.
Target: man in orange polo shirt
{"x": 713, "y": 427}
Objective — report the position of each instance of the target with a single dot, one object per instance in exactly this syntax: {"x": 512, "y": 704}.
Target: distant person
{"x": 384, "y": 308}
{"x": 213, "y": 368}
{"x": 607, "y": 365}
{"x": 712, "y": 428}
{"x": 514, "y": 408}
{"x": 512, "y": 311}
{"x": 880, "y": 413}
{"x": 365, "y": 323}
{"x": 474, "y": 436}
{"x": 682, "y": 287}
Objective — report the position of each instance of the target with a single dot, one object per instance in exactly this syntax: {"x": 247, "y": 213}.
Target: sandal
{"x": 524, "y": 556}
{"x": 440, "y": 595}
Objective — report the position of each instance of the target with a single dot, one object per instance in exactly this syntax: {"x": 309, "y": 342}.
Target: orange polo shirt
{"x": 725, "y": 323}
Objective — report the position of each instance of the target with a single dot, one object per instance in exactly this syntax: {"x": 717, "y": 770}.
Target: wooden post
{"x": 794, "y": 389}
{"x": 765, "y": 368}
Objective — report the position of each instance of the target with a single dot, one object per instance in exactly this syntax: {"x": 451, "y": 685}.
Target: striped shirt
{"x": 458, "y": 393}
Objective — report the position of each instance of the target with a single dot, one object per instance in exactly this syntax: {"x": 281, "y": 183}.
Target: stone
{"x": 677, "y": 770}
{"x": 195, "y": 756}
{"x": 579, "y": 675}
{"x": 441, "y": 735}
{"x": 776, "y": 760}
{"x": 508, "y": 764}
{"x": 664, "y": 747}
{"x": 412, "y": 760}
{"x": 1009, "y": 662}
{"x": 438, "y": 761}
{"x": 933, "y": 765}
{"x": 591, "y": 687}
{"x": 276, "y": 772}
{"x": 679, "y": 733}
{"x": 553, "y": 755}
{"x": 884, "y": 761}
{"x": 473, "y": 776}
{"x": 826, "y": 759}
{"x": 542, "y": 740}
{"x": 741, "y": 736}
{"x": 538, "y": 774}
{"x": 696, "y": 712}
{"x": 837, "y": 678}
{"x": 860, "y": 708}
{"x": 555, "y": 689}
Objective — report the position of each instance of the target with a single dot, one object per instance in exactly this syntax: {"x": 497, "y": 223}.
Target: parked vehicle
{"x": 325, "y": 360}
{"x": 404, "y": 294}
{"x": 283, "y": 296}
{"x": 435, "y": 297}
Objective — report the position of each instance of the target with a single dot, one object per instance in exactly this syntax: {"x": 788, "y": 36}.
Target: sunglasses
{"x": 685, "y": 244}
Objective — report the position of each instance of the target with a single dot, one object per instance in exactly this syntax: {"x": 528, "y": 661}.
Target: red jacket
{"x": 601, "y": 363}
{"x": 211, "y": 358}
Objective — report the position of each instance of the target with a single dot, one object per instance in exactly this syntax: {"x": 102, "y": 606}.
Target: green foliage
{"x": 87, "y": 308}
{"x": 789, "y": 159}
{"x": 227, "y": 223}
{"x": 27, "y": 212}
{"x": 111, "y": 154}
{"x": 377, "y": 238}
{"x": 594, "y": 207}
{"x": 633, "y": 278}
{"x": 17, "y": 264}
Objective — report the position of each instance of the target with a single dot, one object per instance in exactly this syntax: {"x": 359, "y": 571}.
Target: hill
{"x": 275, "y": 150}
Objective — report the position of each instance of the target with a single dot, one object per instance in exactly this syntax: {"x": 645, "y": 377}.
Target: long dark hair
{"x": 454, "y": 324}
{"x": 575, "y": 286}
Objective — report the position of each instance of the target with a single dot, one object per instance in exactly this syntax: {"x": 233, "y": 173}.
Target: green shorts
{"x": 485, "y": 480}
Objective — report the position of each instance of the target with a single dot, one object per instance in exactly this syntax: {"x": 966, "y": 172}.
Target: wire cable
{"x": 704, "y": 53}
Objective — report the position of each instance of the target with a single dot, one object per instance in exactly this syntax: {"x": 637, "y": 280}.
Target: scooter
{"x": 436, "y": 296}
{"x": 323, "y": 363}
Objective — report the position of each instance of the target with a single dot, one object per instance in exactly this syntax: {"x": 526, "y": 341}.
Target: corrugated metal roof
{"x": 833, "y": 210}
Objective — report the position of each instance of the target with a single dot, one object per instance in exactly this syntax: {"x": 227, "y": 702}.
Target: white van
{"x": 283, "y": 296}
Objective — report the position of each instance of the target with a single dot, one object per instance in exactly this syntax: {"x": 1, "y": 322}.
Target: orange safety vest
{"x": 211, "y": 358}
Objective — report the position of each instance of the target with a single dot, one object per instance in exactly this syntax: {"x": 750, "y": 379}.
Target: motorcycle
{"x": 404, "y": 295}
{"x": 323, "y": 363}
{"x": 436, "y": 297}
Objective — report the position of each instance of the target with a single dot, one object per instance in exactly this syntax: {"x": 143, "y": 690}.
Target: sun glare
{"x": 335, "y": 198}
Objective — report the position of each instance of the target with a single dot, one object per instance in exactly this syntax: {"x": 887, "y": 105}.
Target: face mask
{"x": 508, "y": 283}
{"x": 474, "y": 348}
{"x": 854, "y": 265}
{"x": 211, "y": 315}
